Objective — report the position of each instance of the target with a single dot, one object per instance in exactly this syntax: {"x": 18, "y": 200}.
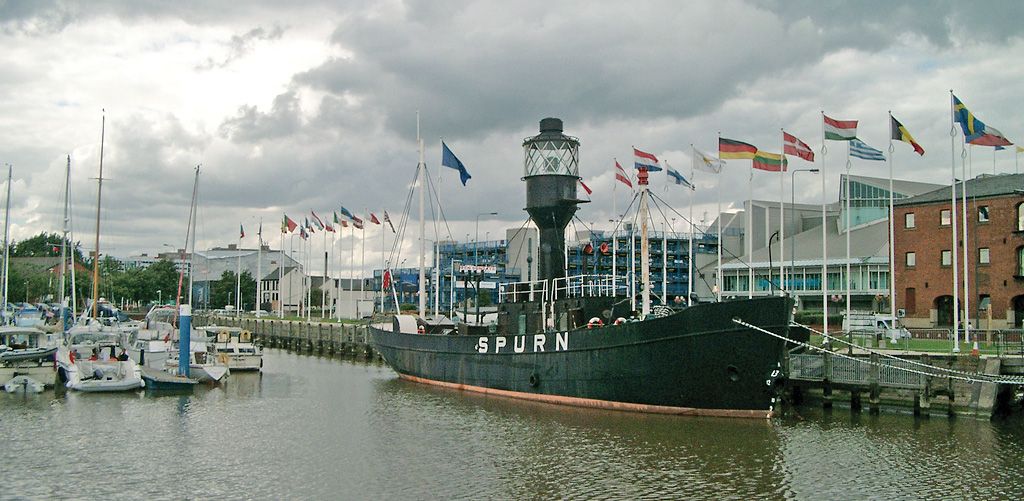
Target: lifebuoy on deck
{"x": 420, "y": 329}
{"x": 223, "y": 358}
{"x": 595, "y": 322}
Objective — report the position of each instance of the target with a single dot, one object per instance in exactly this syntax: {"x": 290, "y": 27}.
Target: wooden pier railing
{"x": 300, "y": 336}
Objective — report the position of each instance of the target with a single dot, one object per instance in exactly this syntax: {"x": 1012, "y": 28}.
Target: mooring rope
{"x": 992, "y": 378}
{"x": 968, "y": 377}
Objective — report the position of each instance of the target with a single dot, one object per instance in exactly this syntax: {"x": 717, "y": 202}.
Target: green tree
{"x": 222, "y": 292}
{"x": 44, "y": 244}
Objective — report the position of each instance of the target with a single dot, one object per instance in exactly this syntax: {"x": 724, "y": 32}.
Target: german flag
{"x": 729, "y": 149}
{"x": 899, "y": 133}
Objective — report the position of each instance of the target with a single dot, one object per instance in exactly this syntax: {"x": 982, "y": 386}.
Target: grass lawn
{"x": 930, "y": 345}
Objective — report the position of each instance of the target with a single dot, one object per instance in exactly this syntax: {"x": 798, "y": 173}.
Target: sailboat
{"x": 562, "y": 343}
{"x": 88, "y": 361}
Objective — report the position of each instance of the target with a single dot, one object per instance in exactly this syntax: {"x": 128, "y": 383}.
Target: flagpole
{"x": 689, "y": 255}
{"x": 280, "y": 273}
{"x": 259, "y": 265}
{"x": 323, "y": 286}
{"x": 824, "y": 246}
{"x": 238, "y": 275}
{"x": 750, "y": 234}
{"x": 362, "y": 266}
{"x": 664, "y": 264}
{"x": 352, "y": 263}
{"x": 423, "y": 231}
{"x": 782, "y": 219}
{"x": 309, "y": 279}
{"x": 718, "y": 187}
{"x": 952, "y": 214}
{"x": 892, "y": 233}
{"x": 849, "y": 164}
{"x": 967, "y": 282}
{"x": 615, "y": 217}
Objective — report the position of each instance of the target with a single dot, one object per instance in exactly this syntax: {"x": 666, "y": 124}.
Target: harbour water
{"x": 323, "y": 428}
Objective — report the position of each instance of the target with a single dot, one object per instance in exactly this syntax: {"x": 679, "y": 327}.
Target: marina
{"x": 326, "y": 427}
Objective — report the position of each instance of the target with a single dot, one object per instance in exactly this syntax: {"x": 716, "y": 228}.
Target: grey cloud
{"x": 241, "y": 45}
{"x": 250, "y": 125}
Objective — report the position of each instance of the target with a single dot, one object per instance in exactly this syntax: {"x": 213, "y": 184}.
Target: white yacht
{"x": 204, "y": 364}
{"x": 237, "y": 346}
{"x": 89, "y": 362}
{"x": 27, "y": 355}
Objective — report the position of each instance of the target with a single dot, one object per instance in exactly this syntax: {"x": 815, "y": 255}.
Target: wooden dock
{"x": 921, "y": 380}
{"x": 320, "y": 338}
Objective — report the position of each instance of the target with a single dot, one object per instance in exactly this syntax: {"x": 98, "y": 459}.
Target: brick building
{"x": 995, "y": 254}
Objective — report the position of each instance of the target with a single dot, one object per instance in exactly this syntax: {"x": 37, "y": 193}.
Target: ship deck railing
{"x": 519, "y": 292}
{"x": 588, "y": 286}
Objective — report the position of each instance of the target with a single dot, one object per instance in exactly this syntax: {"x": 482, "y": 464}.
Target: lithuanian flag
{"x": 729, "y": 149}
{"x": 773, "y": 162}
{"x": 899, "y": 133}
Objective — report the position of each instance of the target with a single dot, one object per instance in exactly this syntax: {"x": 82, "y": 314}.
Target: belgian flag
{"x": 899, "y": 133}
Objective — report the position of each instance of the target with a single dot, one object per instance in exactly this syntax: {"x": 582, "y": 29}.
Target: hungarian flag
{"x": 773, "y": 162}
{"x": 387, "y": 219}
{"x": 840, "y": 130}
{"x": 241, "y": 232}
{"x": 796, "y": 147}
{"x": 621, "y": 176}
{"x": 316, "y": 220}
{"x": 644, "y": 160}
{"x": 373, "y": 218}
{"x": 288, "y": 225}
{"x": 730, "y": 149}
{"x": 586, "y": 188}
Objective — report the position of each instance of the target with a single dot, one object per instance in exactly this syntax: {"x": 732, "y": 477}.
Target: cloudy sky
{"x": 312, "y": 105}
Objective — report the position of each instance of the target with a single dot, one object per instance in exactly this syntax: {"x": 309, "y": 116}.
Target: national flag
{"x": 346, "y": 213}
{"x": 328, "y": 227}
{"x": 900, "y": 133}
{"x": 730, "y": 149}
{"x": 1000, "y": 148}
{"x": 303, "y": 234}
{"x": 774, "y": 162}
{"x": 385, "y": 280}
{"x": 975, "y": 131}
{"x": 860, "y": 150}
{"x": 707, "y": 163}
{"x": 677, "y": 177}
{"x": 387, "y": 219}
{"x": 793, "y": 146}
{"x": 448, "y": 159}
{"x": 621, "y": 176}
{"x": 840, "y": 130}
{"x": 358, "y": 223}
{"x": 373, "y": 218}
{"x": 288, "y": 225}
{"x": 317, "y": 221}
{"x": 644, "y": 160}
{"x": 586, "y": 188}
{"x": 308, "y": 225}
{"x": 343, "y": 223}
{"x": 241, "y": 231}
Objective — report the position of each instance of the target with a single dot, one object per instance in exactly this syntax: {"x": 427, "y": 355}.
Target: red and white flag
{"x": 645, "y": 160}
{"x": 621, "y": 176}
{"x": 373, "y": 218}
{"x": 586, "y": 188}
{"x": 387, "y": 219}
{"x": 796, "y": 147}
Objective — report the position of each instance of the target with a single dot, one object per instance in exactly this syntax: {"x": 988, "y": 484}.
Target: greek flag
{"x": 860, "y": 150}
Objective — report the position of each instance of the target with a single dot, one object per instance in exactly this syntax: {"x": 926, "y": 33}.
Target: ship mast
{"x": 420, "y": 177}
{"x": 64, "y": 245}
{"x": 645, "y": 265}
{"x": 99, "y": 198}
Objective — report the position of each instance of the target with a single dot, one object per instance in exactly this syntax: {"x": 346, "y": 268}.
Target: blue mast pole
{"x": 184, "y": 338}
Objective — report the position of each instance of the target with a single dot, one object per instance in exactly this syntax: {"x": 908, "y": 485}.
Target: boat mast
{"x": 645, "y": 265}
{"x": 421, "y": 169}
{"x": 7, "y": 234}
{"x": 99, "y": 198}
{"x": 191, "y": 254}
{"x": 64, "y": 243}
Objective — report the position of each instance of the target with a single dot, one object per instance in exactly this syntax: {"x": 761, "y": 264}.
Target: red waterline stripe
{"x": 597, "y": 404}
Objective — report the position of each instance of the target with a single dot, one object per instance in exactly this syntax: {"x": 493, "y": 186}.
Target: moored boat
{"x": 566, "y": 340}
{"x": 29, "y": 352}
{"x": 235, "y": 345}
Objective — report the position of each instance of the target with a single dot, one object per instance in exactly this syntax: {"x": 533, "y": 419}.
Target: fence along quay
{"x": 971, "y": 385}
{"x": 301, "y": 336}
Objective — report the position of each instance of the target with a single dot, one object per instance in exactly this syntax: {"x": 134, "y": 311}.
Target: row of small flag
{"x": 975, "y": 132}
{"x": 310, "y": 226}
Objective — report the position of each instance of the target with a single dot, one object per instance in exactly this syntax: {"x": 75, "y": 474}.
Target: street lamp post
{"x": 159, "y": 296}
{"x": 476, "y": 256}
{"x": 792, "y": 202}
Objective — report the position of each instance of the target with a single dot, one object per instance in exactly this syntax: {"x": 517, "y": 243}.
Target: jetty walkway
{"x": 322, "y": 338}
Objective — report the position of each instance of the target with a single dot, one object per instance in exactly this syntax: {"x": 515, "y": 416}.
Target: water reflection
{"x": 310, "y": 427}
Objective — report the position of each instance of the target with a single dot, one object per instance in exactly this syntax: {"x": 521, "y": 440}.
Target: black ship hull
{"x": 695, "y": 361}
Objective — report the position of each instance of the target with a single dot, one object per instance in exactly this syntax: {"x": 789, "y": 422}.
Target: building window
{"x": 1020, "y": 216}
{"x": 944, "y": 218}
{"x": 983, "y": 214}
{"x": 908, "y": 220}
{"x": 1020, "y": 261}
{"x": 983, "y": 257}
{"x": 947, "y": 258}
{"x": 911, "y": 259}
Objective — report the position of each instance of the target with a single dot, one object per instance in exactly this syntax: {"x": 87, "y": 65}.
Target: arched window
{"x": 1020, "y": 216}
